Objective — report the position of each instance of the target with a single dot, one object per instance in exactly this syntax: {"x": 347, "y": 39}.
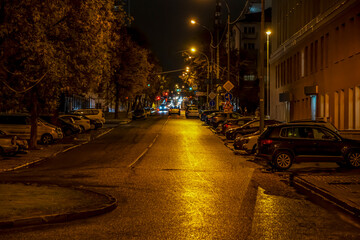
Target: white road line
{"x": 132, "y": 165}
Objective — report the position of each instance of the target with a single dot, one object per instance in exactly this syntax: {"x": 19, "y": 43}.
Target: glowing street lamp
{"x": 268, "y": 32}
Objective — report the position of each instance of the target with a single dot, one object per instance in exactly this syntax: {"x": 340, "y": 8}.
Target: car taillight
{"x": 266, "y": 141}
{"x": 226, "y": 125}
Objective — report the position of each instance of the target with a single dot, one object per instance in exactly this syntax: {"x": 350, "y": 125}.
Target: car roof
{"x": 306, "y": 123}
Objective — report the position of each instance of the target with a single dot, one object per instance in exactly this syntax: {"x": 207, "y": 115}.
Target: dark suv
{"x": 286, "y": 143}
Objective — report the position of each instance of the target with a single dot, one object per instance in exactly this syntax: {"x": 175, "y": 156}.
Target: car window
{"x": 293, "y": 132}
{"x": 289, "y": 132}
{"x": 323, "y": 134}
{"x": 306, "y": 132}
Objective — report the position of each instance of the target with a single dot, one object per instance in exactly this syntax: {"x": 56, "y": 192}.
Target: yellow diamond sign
{"x": 228, "y": 86}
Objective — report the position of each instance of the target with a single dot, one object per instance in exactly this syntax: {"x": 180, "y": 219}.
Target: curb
{"x": 320, "y": 194}
{"x": 29, "y": 164}
{"x": 64, "y": 217}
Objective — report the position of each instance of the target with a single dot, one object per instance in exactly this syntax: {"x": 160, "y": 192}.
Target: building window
{"x": 311, "y": 58}
{"x": 336, "y": 109}
{"x": 351, "y": 109}
{"x": 327, "y": 106}
{"x": 306, "y": 60}
{"x": 316, "y": 56}
{"x": 250, "y": 77}
{"x": 357, "y": 107}
{"x": 342, "y": 109}
{"x": 326, "y": 50}
{"x": 321, "y": 52}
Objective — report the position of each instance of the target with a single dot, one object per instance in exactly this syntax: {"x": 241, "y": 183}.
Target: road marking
{"x": 132, "y": 165}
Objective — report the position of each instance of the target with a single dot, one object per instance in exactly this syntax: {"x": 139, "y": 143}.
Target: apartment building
{"x": 315, "y": 61}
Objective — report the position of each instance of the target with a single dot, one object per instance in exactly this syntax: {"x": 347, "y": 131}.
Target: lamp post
{"x": 208, "y": 71}
{"x": 268, "y": 32}
{"x": 192, "y": 21}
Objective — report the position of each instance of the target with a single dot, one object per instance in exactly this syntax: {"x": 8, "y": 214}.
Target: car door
{"x": 299, "y": 140}
{"x": 328, "y": 145}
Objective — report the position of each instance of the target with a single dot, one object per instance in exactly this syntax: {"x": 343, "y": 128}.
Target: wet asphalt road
{"x": 174, "y": 179}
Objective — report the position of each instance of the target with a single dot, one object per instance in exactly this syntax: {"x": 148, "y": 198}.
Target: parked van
{"x": 95, "y": 114}
{"x": 20, "y": 125}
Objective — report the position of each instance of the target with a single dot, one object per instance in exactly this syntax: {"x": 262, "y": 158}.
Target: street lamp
{"x": 268, "y": 32}
{"x": 192, "y": 21}
{"x": 208, "y": 71}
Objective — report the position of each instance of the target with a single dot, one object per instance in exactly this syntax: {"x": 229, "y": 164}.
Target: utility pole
{"x": 217, "y": 29}
{"x": 261, "y": 69}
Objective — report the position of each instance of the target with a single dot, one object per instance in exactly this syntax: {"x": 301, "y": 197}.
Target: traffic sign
{"x": 200, "y": 94}
{"x": 228, "y": 96}
{"x": 212, "y": 103}
{"x": 228, "y": 86}
{"x": 212, "y": 95}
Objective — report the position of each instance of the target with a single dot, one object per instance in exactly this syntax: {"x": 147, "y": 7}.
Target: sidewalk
{"x": 23, "y": 204}
{"x": 340, "y": 189}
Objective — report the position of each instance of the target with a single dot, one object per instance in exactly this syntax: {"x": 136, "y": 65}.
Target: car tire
{"x": 46, "y": 139}
{"x": 82, "y": 128}
{"x": 283, "y": 160}
{"x": 353, "y": 159}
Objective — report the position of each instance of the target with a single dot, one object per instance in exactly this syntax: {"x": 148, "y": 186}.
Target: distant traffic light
{"x": 190, "y": 88}
{"x": 157, "y": 98}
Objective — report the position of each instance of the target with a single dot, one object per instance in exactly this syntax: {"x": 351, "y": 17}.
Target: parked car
{"x": 192, "y": 111}
{"x": 282, "y": 145}
{"x": 139, "y": 114}
{"x": 205, "y": 113}
{"x": 80, "y": 120}
{"x": 68, "y": 127}
{"x": 248, "y": 128}
{"x": 232, "y": 123}
{"x": 150, "y": 111}
{"x": 248, "y": 143}
{"x": 20, "y": 125}
{"x": 209, "y": 116}
{"x": 95, "y": 114}
{"x": 220, "y": 117}
{"x": 174, "y": 110}
{"x": 8, "y": 146}
{"x": 22, "y": 144}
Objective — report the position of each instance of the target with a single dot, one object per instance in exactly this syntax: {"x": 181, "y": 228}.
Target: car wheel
{"x": 46, "y": 139}
{"x": 283, "y": 160}
{"x": 353, "y": 159}
{"x": 82, "y": 128}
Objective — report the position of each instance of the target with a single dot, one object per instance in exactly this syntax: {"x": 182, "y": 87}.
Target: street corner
{"x": 23, "y": 204}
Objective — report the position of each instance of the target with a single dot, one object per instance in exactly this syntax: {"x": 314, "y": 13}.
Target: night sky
{"x": 165, "y": 23}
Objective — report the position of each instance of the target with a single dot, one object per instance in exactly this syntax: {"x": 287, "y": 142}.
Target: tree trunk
{"x": 34, "y": 119}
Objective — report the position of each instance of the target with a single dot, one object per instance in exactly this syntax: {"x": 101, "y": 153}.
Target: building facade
{"x": 315, "y": 61}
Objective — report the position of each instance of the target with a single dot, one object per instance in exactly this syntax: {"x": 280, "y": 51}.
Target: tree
{"x": 52, "y": 46}
{"x": 130, "y": 69}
